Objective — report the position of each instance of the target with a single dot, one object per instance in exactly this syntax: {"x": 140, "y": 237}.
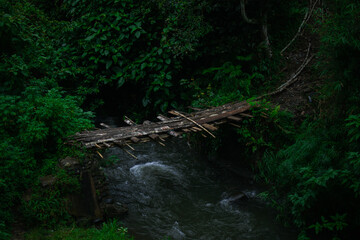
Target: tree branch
{"x": 266, "y": 36}
{"x": 306, "y": 18}
{"x": 293, "y": 78}
{"x": 243, "y": 13}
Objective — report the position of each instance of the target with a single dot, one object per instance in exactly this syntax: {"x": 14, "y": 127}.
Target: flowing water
{"x": 172, "y": 194}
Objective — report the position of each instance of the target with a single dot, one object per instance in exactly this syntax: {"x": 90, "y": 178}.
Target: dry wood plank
{"x": 171, "y": 132}
{"x": 246, "y": 115}
{"x": 154, "y": 136}
{"x": 233, "y": 118}
{"x": 135, "y": 139}
{"x": 129, "y": 146}
{"x": 193, "y": 121}
{"x": 99, "y": 154}
{"x": 129, "y": 121}
{"x": 241, "y": 109}
{"x": 235, "y": 125}
{"x": 210, "y": 127}
{"x": 129, "y": 153}
{"x": 104, "y": 125}
{"x": 119, "y": 143}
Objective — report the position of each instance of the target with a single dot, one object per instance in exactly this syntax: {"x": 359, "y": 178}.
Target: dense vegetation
{"x": 64, "y": 60}
{"x": 320, "y": 172}
{"x": 108, "y": 231}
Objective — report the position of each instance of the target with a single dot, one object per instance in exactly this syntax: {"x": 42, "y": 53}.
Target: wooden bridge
{"x": 203, "y": 121}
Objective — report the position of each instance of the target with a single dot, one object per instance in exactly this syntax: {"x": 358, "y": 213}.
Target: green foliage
{"x": 264, "y": 129}
{"x": 3, "y": 231}
{"x": 109, "y": 231}
{"x": 36, "y": 114}
{"x": 141, "y": 44}
{"x": 46, "y": 206}
{"x": 315, "y": 180}
{"x": 338, "y": 223}
{"x": 34, "y": 127}
{"x": 320, "y": 179}
{"x": 227, "y": 83}
{"x": 353, "y": 123}
{"x": 339, "y": 29}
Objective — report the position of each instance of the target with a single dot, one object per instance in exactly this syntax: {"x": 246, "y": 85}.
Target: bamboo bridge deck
{"x": 203, "y": 121}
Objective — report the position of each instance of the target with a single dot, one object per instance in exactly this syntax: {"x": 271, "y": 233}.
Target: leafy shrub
{"x": 268, "y": 128}
{"x": 47, "y": 206}
{"x": 109, "y": 231}
{"x": 36, "y": 115}
{"x": 227, "y": 83}
{"x": 321, "y": 182}
{"x": 131, "y": 44}
{"x": 33, "y": 129}
{"x": 315, "y": 181}
{"x": 339, "y": 28}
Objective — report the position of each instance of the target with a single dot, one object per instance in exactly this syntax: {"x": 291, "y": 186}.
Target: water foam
{"x": 153, "y": 168}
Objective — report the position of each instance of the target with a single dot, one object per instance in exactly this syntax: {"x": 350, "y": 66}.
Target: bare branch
{"x": 243, "y": 13}
{"x": 306, "y": 18}
{"x": 293, "y": 78}
{"x": 266, "y": 37}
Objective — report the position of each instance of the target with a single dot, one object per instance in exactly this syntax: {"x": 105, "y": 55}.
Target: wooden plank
{"x": 129, "y": 153}
{"x": 104, "y": 125}
{"x": 119, "y": 143}
{"x": 128, "y": 121}
{"x": 99, "y": 154}
{"x": 135, "y": 139}
{"x": 146, "y": 122}
{"x": 193, "y": 121}
{"x": 233, "y": 118}
{"x": 246, "y": 115}
{"x": 129, "y": 146}
{"x": 154, "y": 136}
{"x": 235, "y": 125}
{"x": 210, "y": 127}
{"x": 171, "y": 132}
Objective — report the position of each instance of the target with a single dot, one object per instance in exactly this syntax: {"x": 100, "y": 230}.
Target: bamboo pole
{"x": 197, "y": 124}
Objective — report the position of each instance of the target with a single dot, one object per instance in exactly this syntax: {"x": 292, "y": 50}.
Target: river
{"x": 172, "y": 194}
